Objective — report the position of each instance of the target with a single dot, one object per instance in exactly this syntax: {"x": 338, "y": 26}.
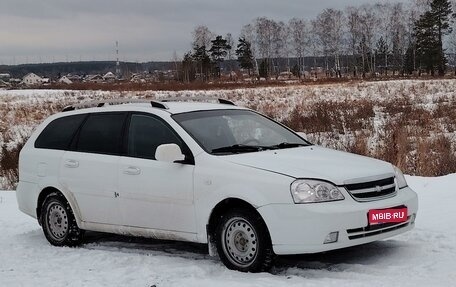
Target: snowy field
{"x": 426, "y": 256}
{"x": 368, "y": 118}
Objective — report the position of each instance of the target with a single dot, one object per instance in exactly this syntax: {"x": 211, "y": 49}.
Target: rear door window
{"x": 102, "y": 133}
{"x": 59, "y": 133}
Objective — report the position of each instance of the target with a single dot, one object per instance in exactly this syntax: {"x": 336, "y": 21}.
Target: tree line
{"x": 359, "y": 41}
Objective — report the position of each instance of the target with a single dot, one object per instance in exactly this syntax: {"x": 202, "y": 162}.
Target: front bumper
{"x": 302, "y": 228}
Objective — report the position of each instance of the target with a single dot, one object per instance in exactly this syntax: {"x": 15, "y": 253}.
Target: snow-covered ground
{"x": 426, "y": 256}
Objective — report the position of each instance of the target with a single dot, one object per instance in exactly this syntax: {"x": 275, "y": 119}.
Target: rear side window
{"x": 59, "y": 133}
{"x": 146, "y": 134}
{"x": 102, "y": 133}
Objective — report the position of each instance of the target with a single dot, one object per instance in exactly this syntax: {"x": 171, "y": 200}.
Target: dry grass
{"x": 418, "y": 140}
{"x": 166, "y": 86}
{"x": 9, "y": 165}
{"x": 331, "y": 116}
{"x": 410, "y": 124}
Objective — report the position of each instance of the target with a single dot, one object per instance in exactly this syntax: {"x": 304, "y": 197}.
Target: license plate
{"x": 377, "y": 216}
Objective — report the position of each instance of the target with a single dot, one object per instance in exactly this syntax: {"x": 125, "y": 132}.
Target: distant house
{"x": 65, "y": 80}
{"x": 109, "y": 77}
{"x": 15, "y": 81}
{"x": 94, "y": 79}
{"x": 5, "y": 77}
{"x": 32, "y": 79}
{"x": 74, "y": 77}
{"x": 4, "y": 85}
{"x": 137, "y": 78}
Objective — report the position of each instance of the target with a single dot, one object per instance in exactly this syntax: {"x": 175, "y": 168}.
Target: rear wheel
{"x": 58, "y": 222}
{"x": 243, "y": 242}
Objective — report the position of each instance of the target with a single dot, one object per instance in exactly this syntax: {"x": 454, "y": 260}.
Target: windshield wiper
{"x": 286, "y": 145}
{"x": 238, "y": 148}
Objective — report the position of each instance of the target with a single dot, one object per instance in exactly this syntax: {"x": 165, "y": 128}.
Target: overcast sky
{"x": 59, "y": 30}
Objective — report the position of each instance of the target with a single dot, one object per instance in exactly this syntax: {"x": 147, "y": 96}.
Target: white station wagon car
{"x": 203, "y": 172}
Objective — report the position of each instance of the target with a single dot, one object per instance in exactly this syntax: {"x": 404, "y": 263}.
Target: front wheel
{"x": 58, "y": 222}
{"x": 243, "y": 242}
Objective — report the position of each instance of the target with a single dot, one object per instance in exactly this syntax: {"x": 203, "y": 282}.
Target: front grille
{"x": 376, "y": 229}
{"x": 371, "y": 190}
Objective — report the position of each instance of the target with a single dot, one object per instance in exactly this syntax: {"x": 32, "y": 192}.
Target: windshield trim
{"x": 236, "y": 109}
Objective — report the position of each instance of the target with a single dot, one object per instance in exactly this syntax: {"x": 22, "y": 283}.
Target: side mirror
{"x": 303, "y": 135}
{"x": 169, "y": 153}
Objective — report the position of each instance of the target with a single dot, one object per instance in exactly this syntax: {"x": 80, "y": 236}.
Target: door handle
{"x": 71, "y": 163}
{"x": 132, "y": 170}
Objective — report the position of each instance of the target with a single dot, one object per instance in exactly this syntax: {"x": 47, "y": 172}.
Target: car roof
{"x": 171, "y": 107}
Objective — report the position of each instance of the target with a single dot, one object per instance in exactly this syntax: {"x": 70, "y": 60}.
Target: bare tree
{"x": 369, "y": 24}
{"x": 230, "y": 42}
{"x": 322, "y": 29}
{"x": 202, "y": 36}
{"x": 330, "y": 32}
{"x": 452, "y": 41}
{"x": 299, "y": 41}
{"x": 314, "y": 44}
{"x": 175, "y": 59}
{"x": 279, "y": 44}
{"x": 287, "y": 45}
{"x": 383, "y": 11}
{"x": 354, "y": 35}
{"x": 248, "y": 33}
{"x": 264, "y": 41}
{"x": 398, "y": 36}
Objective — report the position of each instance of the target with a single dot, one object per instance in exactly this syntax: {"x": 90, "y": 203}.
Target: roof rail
{"x": 183, "y": 99}
{"x": 159, "y": 103}
{"x": 92, "y": 104}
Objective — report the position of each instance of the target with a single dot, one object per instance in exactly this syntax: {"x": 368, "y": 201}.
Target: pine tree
{"x": 429, "y": 30}
{"x": 426, "y": 42}
{"x": 218, "y": 51}
{"x": 409, "y": 65}
{"x": 245, "y": 55}
{"x": 441, "y": 11}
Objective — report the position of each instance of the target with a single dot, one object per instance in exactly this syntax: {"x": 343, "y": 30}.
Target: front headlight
{"x": 309, "y": 190}
{"x": 401, "y": 182}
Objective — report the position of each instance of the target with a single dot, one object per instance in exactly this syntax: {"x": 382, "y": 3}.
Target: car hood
{"x": 314, "y": 162}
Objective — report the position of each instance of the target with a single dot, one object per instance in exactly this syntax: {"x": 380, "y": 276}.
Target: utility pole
{"x": 118, "y": 75}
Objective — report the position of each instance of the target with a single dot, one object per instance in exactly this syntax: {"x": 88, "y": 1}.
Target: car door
{"x": 89, "y": 170}
{"x": 155, "y": 194}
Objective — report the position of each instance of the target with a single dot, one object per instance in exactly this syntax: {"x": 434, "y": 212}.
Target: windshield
{"x": 236, "y": 131}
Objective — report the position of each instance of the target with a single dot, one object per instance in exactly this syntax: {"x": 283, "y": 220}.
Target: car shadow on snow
{"x": 128, "y": 244}
{"x": 334, "y": 261}
{"x": 343, "y": 259}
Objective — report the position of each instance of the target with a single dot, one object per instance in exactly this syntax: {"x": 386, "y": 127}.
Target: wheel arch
{"x": 222, "y": 207}
{"x": 70, "y": 199}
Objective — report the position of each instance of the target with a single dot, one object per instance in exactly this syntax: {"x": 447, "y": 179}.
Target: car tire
{"x": 243, "y": 241}
{"x": 58, "y": 221}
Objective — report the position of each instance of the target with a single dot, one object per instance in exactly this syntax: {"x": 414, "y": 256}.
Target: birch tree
{"x": 298, "y": 36}
{"x": 330, "y": 32}
{"x": 248, "y": 34}
{"x": 354, "y": 35}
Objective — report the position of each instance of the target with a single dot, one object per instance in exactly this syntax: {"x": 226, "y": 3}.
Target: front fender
{"x": 217, "y": 180}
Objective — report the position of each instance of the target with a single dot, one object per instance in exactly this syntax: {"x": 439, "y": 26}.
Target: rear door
{"x": 155, "y": 194}
{"x": 89, "y": 170}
